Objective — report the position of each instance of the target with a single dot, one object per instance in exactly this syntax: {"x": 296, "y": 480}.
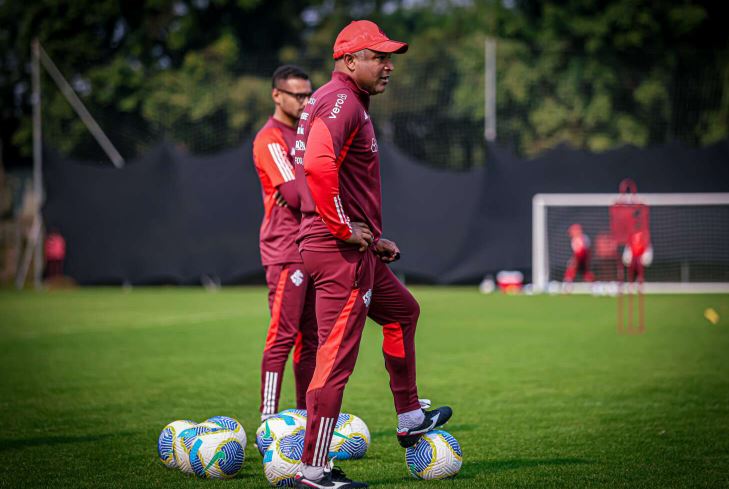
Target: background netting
{"x": 690, "y": 242}
{"x": 433, "y": 110}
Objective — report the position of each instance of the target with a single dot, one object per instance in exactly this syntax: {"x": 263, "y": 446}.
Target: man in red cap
{"x": 291, "y": 295}
{"x": 340, "y": 239}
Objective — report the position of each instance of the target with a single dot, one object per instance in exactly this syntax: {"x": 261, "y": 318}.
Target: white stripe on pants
{"x": 321, "y": 450}
{"x": 269, "y": 393}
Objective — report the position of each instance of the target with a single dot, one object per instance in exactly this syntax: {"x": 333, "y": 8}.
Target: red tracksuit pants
{"x": 293, "y": 325}
{"x": 578, "y": 263}
{"x": 349, "y": 287}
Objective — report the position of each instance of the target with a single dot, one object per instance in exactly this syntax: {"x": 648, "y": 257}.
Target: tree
{"x": 118, "y": 53}
{"x": 591, "y": 74}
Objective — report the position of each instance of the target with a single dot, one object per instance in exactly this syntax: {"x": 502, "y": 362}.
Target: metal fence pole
{"x": 37, "y": 165}
{"x": 489, "y": 131}
{"x": 80, "y": 109}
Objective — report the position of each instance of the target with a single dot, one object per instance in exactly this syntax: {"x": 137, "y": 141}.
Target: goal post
{"x": 689, "y": 233}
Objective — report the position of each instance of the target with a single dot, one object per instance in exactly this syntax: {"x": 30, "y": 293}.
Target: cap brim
{"x": 390, "y": 46}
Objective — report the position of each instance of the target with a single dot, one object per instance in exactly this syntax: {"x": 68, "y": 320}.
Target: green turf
{"x": 545, "y": 393}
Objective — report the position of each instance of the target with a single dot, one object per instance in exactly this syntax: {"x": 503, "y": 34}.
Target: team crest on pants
{"x": 367, "y": 298}
{"x": 297, "y": 277}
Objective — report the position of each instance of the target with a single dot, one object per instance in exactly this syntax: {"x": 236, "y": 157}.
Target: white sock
{"x": 411, "y": 419}
{"x": 312, "y": 473}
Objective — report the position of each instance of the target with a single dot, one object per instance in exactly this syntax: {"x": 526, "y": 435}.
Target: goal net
{"x": 689, "y": 234}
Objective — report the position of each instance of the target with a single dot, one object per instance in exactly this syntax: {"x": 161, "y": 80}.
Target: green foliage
{"x": 250, "y": 101}
{"x": 591, "y": 75}
{"x": 602, "y": 78}
{"x": 714, "y": 124}
{"x": 186, "y": 94}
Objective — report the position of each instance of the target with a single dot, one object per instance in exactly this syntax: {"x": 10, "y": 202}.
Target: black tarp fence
{"x": 174, "y": 218}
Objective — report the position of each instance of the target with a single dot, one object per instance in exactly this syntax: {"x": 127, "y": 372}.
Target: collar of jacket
{"x": 363, "y": 96}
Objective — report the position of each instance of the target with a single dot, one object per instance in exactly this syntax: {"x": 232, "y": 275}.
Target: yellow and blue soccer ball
{"x": 184, "y": 441}
{"x": 167, "y": 438}
{"x": 231, "y": 424}
{"x": 277, "y": 427}
{"x": 298, "y": 414}
{"x": 351, "y": 438}
{"x": 216, "y": 454}
{"x": 282, "y": 460}
{"x": 437, "y": 455}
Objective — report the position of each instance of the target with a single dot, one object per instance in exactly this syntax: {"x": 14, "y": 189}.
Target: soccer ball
{"x": 167, "y": 438}
{"x": 282, "y": 460}
{"x": 183, "y": 443}
{"x": 298, "y": 414}
{"x": 351, "y": 438}
{"x": 217, "y": 454}
{"x": 276, "y": 427}
{"x": 231, "y": 424}
{"x": 437, "y": 455}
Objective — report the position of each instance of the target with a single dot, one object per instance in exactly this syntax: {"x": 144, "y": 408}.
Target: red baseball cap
{"x": 364, "y": 34}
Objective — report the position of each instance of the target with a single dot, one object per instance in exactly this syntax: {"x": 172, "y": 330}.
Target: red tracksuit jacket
{"x": 337, "y": 166}
{"x": 280, "y": 225}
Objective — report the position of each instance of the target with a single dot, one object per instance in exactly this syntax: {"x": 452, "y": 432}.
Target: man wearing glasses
{"x": 290, "y": 295}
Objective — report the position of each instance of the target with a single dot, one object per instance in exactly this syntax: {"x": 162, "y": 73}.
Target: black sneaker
{"x": 334, "y": 478}
{"x": 433, "y": 419}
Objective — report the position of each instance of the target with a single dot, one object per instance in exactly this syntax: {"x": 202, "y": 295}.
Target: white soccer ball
{"x": 231, "y": 424}
{"x": 437, "y": 455}
{"x": 277, "y": 427}
{"x": 351, "y": 438}
{"x": 282, "y": 460}
{"x": 298, "y": 414}
{"x": 183, "y": 443}
{"x": 167, "y": 438}
{"x": 217, "y": 454}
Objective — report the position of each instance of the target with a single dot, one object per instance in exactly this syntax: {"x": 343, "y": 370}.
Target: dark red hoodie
{"x": 336, "y": 150}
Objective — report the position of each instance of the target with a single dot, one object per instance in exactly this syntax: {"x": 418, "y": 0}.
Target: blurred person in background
{"x": 338, "y": 173}
{"x": 55, "y": 248}
{"x": 290, "y": 293}
{"x": 580, "y": 259}
{"x": 637, "y": 255}
{"x": 604, "y": 263}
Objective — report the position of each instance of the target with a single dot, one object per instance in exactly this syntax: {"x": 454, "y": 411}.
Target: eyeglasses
{"x": 301, "y": 97}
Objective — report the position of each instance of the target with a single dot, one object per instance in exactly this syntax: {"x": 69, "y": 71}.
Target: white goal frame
{"x": 540, "y": 258}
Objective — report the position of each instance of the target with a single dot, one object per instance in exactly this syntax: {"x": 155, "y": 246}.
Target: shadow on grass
{"x": 471, "y": 469}
{"x": 48, "y": 441}
{"x": 456, "y": 427}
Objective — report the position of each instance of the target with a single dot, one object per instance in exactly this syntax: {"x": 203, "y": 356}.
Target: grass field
{"x": 545, "y": 393}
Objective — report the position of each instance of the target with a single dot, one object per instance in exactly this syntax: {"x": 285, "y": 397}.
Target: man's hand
{"x": 280, "y": 201}
{"x": 387, "y": 250}
{"x": 361, "y": 235}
